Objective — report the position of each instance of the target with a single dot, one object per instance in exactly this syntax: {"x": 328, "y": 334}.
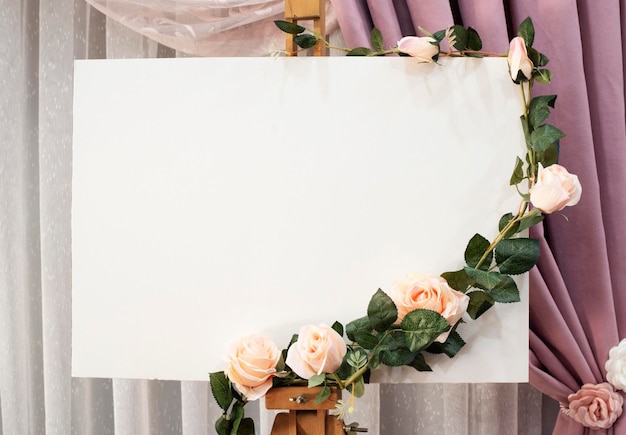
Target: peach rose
{"x": 555, "y": 189}
{"x": 430, "y": 292}
{"x": 319, "y": 349}
{"x": 251, "y": 365}
{"x": 518, "y": 59}
{"x": 423, "y": 48}
{"x": 595, "y": 406}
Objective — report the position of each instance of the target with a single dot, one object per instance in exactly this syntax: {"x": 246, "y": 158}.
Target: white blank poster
{"x": 215, "y": 198}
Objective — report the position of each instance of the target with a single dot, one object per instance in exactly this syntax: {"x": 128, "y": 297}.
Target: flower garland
{"x": 422, "y": 312}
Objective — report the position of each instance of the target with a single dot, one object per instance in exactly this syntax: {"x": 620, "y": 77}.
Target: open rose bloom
{"x": 319, "y": 349}
{"x": 555, "y": 189}
{"x": 252, "y": 365}
{"x": 595, "y": 406}
{"x": 429, "y": 292}
{"x": 616, "y": 366}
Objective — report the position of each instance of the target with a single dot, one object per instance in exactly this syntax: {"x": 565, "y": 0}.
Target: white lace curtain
{"x": 205, "y": 28}
{"x": 39, "y": 40}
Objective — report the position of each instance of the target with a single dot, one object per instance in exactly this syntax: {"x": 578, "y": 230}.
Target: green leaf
{"x": 500, "y": 287}
{"x": 504, "y": 220}
{"x": 220, "y": 387}
{"x": 521, "y": 77}
{"x": 518, "y": 172}
{"x": 360, "y": 51}
{"x": 374, "y": 362}
{"x": 543, "y": 60}
{"x": 362, "y": 324}
{"x": 223, "y": 426}
{"x": 236, "y": 416}
{"x": 549, "y": 156}
{"x": 538, "y": 110}
{"x": 534, "y": 56}
{"x": 358, "y": 388}
{"x": 460, "y": 43}
{"x": 376, "y": 39}
{"x": 543, "y": 76}
{"x": 397, "y": 358}
{"x": 515, "y": 256}
{"x": 531, "y": 220}
{"x": 294, "y": 338}
{"x": 393, "y": 341}
{"x": 305, "y": 41}
{"x": 338, "y": 327}
{"x": 473, "y": 40}
{"x": 421, "y": 327}
{"x": 289, "y": 27}
{"x": 527, "y": 31}
{"x": 439, "y": 35}
{"x": 479, "y": 303}
{"x": 419, "y": 364}
{"x": 476, "y": 247}
{"x": 458, "y": 280}
{"x": 365, "y": 340}
{"x": 544, "y": 136}
{"x": 356, "y": 359}
{"x": 316, "y": 380}
{"x": 246, "y": 427}
{"x": 322, "y": 395}
{"x": 381, "y": 311}
{"x": 450, "y": 347}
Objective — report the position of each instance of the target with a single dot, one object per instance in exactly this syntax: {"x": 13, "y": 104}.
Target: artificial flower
{"x": 423, "y": 48}
{"x": 555, "y": 189}
{"x": 252, "y": 365}
{"x": 319, "y": 349}
{"x": 519, "y": 60}
{"x": 616, "y": 366}
{"x": 429, "y": 292}
{"x": 595, "y": 406}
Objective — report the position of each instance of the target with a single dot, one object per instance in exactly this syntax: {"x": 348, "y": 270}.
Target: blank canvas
{"x": 215, "y": 198}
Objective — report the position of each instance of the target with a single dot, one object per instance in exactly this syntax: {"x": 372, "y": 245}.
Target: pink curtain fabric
{"x": 578, "y": 289}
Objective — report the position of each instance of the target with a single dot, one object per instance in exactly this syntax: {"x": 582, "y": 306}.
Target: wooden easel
{"x": 304, "y": 416}
{"x": 297, "y": 10}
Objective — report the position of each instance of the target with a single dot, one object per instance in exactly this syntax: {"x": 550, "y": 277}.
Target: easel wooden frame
{"x": 305, "y": 417}
{"x": 299, "y": 10}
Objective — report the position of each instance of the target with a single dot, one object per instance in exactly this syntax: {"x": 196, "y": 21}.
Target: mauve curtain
{"x": 578, "y": 290}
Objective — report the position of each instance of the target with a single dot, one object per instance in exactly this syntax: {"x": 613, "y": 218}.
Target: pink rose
{"x": 251, "y": 365}
{"x": 319, "y": 349}
{"x": 555, "y": 188}
{"x": 595, "y": 406}
{"x": 518, "y": 59}
{"x": 432, "y": 293}
{"x": 423, "y": 48}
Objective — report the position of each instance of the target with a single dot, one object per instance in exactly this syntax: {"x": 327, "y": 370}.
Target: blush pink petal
{"x": 518, "y": 58}
{"x": 595, "y": 406}
{"x": 319, "y": 349}
{"x": 422, "y": 48}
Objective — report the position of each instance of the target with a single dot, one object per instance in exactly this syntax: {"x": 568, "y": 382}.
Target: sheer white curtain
{"x": 39, "y": 39}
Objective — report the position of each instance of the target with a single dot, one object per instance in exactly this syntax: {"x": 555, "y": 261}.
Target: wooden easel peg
{"x": 304, "y": 416}
{"x": 298, "y": 10}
